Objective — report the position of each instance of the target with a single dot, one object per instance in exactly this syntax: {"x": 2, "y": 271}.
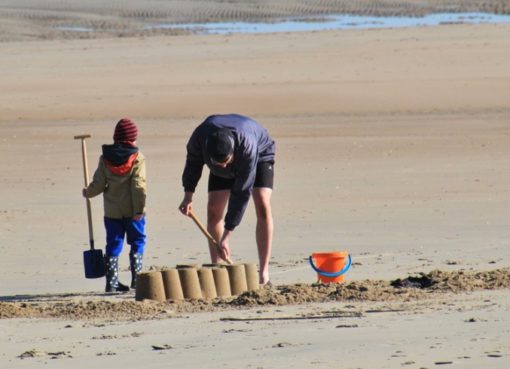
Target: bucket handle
{"x": 331, "y": 275}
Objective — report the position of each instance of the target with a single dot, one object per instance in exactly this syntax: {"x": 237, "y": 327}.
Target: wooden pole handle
{"x": 86, "y": 180}
{"x": 207, "y": 234}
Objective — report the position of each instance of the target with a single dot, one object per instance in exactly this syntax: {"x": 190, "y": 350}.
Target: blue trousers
{"x": 117, "y": 229}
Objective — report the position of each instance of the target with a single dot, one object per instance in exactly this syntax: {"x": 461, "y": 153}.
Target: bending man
{"x": 240, "y": 155}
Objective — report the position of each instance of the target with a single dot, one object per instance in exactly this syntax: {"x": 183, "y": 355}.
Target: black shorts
{"x": 263, "y": 178}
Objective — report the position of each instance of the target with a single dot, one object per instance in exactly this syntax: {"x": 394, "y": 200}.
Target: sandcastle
{"x": 194, "y": 281}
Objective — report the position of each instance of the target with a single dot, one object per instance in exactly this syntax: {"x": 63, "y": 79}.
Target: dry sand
{"x": 392, "y": 144}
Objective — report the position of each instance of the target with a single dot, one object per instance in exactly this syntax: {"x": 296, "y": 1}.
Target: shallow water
{"x": 75, "y": 29}
{"x": 335, "y": 22}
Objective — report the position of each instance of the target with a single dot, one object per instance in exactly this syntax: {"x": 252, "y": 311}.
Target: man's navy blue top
{"x": 252, "y": 145}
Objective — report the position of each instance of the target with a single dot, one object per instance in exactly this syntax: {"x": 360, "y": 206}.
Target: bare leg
{"x": 264, "y": 230}
{"x": 215, "y": 209}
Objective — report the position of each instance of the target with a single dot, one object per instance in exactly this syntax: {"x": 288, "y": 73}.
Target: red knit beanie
{"x": 125, "y": 131}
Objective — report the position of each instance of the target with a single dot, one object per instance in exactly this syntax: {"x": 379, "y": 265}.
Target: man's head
{"x": 220, "y": 146}
{"x": 125, "y": 131}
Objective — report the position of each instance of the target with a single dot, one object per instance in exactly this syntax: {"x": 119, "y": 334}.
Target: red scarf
{"x": 123, "y": 169}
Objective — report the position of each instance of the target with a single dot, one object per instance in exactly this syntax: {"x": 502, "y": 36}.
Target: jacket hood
{"x": 120, "y": 157}
{"x": 118, "y": 153}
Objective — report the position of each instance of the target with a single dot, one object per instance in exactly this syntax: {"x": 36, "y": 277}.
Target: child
{"x": 120, "y": 176}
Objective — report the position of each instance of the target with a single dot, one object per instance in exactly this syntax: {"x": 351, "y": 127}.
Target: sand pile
{"x": 415, "y": 287}
{"x": 123, "y": 307}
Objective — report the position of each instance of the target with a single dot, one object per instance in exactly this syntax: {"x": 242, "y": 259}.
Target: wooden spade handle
{"x": 86, "y": 180}
{"x": 207, "y": 234}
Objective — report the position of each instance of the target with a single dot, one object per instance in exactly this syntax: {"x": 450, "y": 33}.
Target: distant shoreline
{"x": 331, "y": 22}
{"x": 31, "y": 20}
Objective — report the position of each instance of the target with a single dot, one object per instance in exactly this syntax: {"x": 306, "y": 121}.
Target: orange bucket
{"x": 330, "y": 266}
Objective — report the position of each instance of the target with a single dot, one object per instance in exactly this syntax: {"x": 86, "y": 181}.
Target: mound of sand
{"x": 98, "y": 307}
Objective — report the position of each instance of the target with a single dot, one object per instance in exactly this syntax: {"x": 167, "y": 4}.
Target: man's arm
{"x": 243, "y": 186}
{"x": 192, "y": 171}
{"x": 194, "y": 163}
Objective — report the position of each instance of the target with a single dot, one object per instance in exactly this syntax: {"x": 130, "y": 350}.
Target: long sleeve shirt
{"x": 252, "y": 145}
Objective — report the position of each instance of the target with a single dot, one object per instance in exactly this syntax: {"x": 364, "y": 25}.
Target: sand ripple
{"x": 46, "y": 19}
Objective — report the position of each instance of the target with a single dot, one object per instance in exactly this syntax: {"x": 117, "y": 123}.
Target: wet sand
{"x": 23, "y": 20}
{"x": 392, "y": 145}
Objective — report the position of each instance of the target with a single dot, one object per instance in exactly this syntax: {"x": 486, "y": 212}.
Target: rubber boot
{"x": 112, "y": 275}
{"x": 135, "y": 263}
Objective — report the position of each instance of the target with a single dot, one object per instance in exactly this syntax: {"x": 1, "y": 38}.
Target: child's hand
{"x": 138, "y": 217}
{"x": 84, "y": 192}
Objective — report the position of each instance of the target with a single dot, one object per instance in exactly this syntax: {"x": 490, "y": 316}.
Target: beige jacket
{"x": 124, "y": 195}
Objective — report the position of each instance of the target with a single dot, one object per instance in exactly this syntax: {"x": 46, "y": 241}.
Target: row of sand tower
{"x": 207, "y": 281}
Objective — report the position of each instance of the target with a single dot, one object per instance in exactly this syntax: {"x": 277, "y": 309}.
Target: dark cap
{"x": 220, "y": 145}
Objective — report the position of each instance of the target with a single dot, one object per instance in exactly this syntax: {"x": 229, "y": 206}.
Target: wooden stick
{"x": 207, "y": 235}
{"x": 86, "y": 180}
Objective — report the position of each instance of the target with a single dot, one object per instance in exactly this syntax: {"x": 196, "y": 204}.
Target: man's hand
{"x": 223, "y": 245}
{"x": 186, "y": 205}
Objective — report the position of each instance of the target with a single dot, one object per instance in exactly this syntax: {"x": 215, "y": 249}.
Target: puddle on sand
{"x": 334, "y": 22}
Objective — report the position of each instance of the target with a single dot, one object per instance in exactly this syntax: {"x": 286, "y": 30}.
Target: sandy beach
{"x": 392, "y": 144}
